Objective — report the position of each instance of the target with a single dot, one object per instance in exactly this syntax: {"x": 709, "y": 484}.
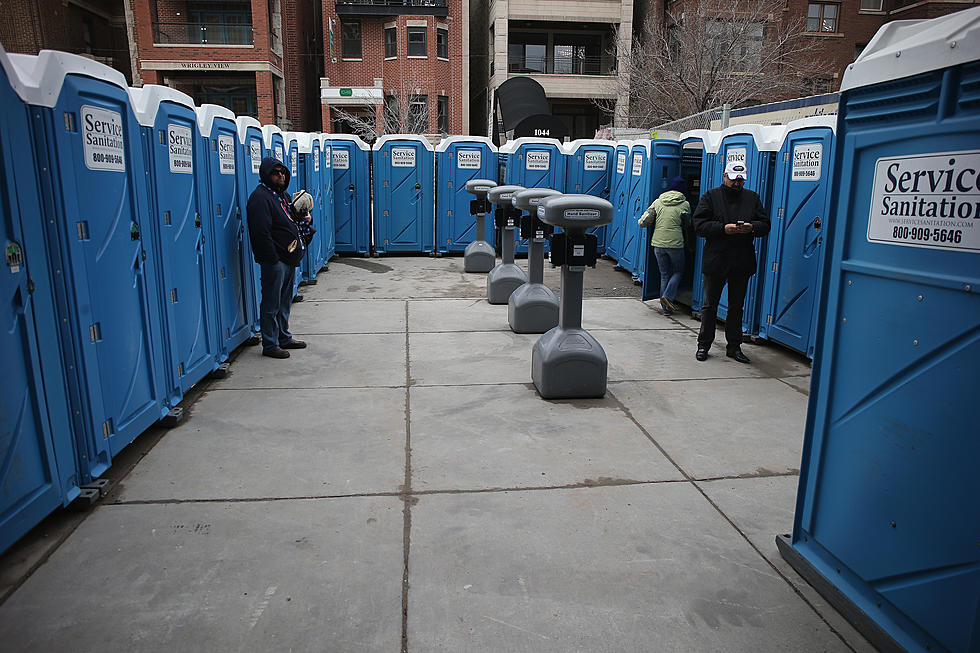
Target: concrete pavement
{"x": 400, "y": 486}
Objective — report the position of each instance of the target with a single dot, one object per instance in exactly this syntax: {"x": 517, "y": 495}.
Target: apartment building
{"x": 570, "y": 48}
{"x": 395, "y": 66}
{"x": 257, "y": 57}
{"x": 91, "y": 28}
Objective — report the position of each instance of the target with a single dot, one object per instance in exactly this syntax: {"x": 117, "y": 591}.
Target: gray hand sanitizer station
{"x": 479, "y": 255}
{"x": 505, "y": 277}
{"x": 533, "y": 307}
{"x": 567, "y": 362}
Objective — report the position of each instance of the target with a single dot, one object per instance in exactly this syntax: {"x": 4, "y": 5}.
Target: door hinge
{"x": 779, "y": 214}
{"x": 95, "y": 332}
{"x": 785, "y": 156}
{"x": 107, "y": 428}
{"x": 30, "y": 286}
{"x": 769, "y": 319}
{"x": 775, "y": 266}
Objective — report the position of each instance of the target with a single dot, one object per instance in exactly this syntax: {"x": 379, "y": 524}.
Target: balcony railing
{"x": 562, "y": 66}
{"x": 393, "y": 7}
{"x": 202, "y": 34}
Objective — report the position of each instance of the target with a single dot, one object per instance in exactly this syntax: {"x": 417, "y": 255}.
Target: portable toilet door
{"x": 534, "y": 163}
{"x": 589, "y": 165}
{"x": 94, "y": 208}
{"x": 615, "y": 230}
{"x": 693, "y": 158}
{"x": 798, "y": 212}
{"x": 299, "y": 149}
{"x": 708, "y": 142}
{"x": 34, "y": 415}
{"x": 352, "y": 211}
{"x": 886, "y": 523}
{"x": 636, "y": 203}
{"x": 757, "y": 146}
{"x": 460, "y": 159}
{"x": 177, "y": 162}
{"x": 250, "y": 155}
{"x": 326, "y": 181}
{"x": 274, "y": 143}
{"x": 225, "y": 209}
{"x": 404, "y": 185}
{"x": 665, "y": 165}
{"x": 314, "y": 184}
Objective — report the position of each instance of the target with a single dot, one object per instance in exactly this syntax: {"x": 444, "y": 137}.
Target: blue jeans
{"x": 277, "y": 299}
{"x": 670, "y": 260}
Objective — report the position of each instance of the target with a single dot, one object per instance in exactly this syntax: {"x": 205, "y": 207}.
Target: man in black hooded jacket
{"x": 728, "y": 218}
{"x": 278, "y": 249}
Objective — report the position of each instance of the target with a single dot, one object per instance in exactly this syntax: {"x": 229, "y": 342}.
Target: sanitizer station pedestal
{"x": 567, "y": 362}
{"x": 533, "y": 307}
{"x": 505, "y": 277}
{"x": 479, "y": 255}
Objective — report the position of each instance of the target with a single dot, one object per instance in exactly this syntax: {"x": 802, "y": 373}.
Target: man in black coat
{"x": 728, "y": 218}
{"x": 278, "y": 249}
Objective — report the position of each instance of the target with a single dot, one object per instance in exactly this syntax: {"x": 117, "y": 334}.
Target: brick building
{"x": 92, "y": 28}
{"x": 395, "y": 63}
{"x": 258, "y": 58}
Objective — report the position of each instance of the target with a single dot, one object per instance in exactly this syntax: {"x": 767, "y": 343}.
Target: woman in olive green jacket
{"x": 671, "y": 215}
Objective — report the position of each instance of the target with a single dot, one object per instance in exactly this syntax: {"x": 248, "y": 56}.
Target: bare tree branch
{"x": 406, "y": 111}
{"x": 706, "y": 53}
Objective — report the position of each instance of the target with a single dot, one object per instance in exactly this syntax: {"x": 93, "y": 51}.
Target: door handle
{"x": 816, "y": 223}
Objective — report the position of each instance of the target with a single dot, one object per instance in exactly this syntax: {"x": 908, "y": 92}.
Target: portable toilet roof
{"x": 812, "y": 121}
{"x": 206, "y": 113}
{"x": 353, "y": 138}
{"x": 645, "y": 143}
{"x": 267, "y": 133}
{"x": 903, "y": 48}
{"x": 244, "y": 122}
{"x": 574, "y": 146}
{"x": 767, "y": 138}
{"x": 304, "y": 141}
{"x": 449, "y": 140}
{"x": 511, "y": 146}
{"x": 710, "y": 138}
{"x": 38, "y": 79}
{"x": 378, "y": 144}
{"x": 146, "y": 101}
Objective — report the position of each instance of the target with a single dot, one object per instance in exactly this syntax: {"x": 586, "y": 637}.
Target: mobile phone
{"x": 740, "y": 222}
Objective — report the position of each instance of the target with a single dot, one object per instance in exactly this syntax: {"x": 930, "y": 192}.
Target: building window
{"x": 418, "y": 114}
{"x": 443, "y": 114}
{"x": 442, "y": 43}
{"x": 821, "y": 17}
{"x": 745, "y": 54}
{"x": 527, "y": 52}
{"x": 391, "y": 42}
{"x": 416, "y": 42}
{"x": 391, "y": 115}
{"x": 350, "y": 39}
{"x": 870, "y": 5}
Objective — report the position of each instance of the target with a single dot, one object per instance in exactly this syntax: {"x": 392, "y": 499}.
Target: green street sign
{"x": 346, "y": 92}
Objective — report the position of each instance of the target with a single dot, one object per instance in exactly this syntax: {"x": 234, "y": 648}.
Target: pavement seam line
{"x": 407, "y": 498}
{"x": 694, "y": 483}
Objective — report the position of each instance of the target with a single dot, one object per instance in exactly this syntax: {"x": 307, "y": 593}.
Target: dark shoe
{"x": 275, "y": 352}
{"x": 669, "y": 305}
{"x": 665, "y": 307}
{"x": 739, "y": 356}
{"x": 702, "y": 354}
{"x": 294, "y": 344}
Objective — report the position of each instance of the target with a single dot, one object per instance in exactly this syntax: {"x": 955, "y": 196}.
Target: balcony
{"x": 438, "y": 8}
{"x": 198, "y": 33}
{"x": 561, "y": 65}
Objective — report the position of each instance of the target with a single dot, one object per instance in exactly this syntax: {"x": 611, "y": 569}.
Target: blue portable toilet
{"x": 96, "y": 212}
{"x": 699, "y": 156}
{"x": 665, "y": 165}
{"x": 176, "y": 162}
{"x": 251, "y": 151}
{"x": 274, "y": 143}
{"x": 589, "y": 165}
{"x": 799, "y": 213}
{"x": 758, "y": 146}
{"x": 458, "y": 160}
{"x": 404, "y": 188}
{"x": 314, "y": 176}
{"x": 299, "y": 151}
{"x": 619, "y": 197}
{"x": 637, "y": 200}
{"x": 34, "y": 411}
{"x": 886, "y": 524}
{"x": 225, "y": 208}
{"x": 534, "y": 163}
{"x": 326, "y": 182}
{"x": 350, "y": 160}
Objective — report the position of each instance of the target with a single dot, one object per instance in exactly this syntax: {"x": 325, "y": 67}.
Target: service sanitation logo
{"x": 927, "y": 200}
